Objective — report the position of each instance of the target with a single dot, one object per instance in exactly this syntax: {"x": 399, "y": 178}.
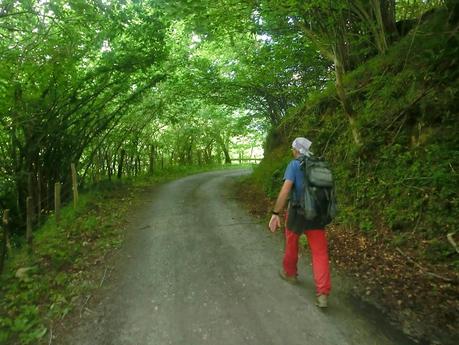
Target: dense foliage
{"x": 114, "y": 87}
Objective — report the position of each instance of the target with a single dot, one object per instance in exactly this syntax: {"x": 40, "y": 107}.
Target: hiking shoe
{"x": 287, "y": 278}
{"x": 322, "y": 301}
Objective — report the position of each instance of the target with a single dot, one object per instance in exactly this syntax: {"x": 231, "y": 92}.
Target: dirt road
{"x": 197, "y": 269}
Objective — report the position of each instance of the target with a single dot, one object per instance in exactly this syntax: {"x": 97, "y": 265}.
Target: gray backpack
{"x": 318, "y": 201}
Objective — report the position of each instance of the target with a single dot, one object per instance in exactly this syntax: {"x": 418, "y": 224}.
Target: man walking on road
{"x": 296, "y": 224}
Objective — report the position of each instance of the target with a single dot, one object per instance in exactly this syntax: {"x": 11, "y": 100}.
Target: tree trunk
{"x": 208, "y": 152}
{"x": 98, "y": 167}
{"x": 39, "y": 196}
{"x": 190, "y": 150}
{"x": 120, "y": 163}
{"x": 224, "y": 148}
{"x": 388, "y": 18}
{"x": 374, "y": 16}
{"x": 3, "y": 246}
{"x": 453, "y": 8}
{"x": 199, "y": 157}
{"x": 226, "y": 153}
{"x": 109, "y": 165}
{"x": 114, "y": 163}
{"x": 341, "y": 91}
{"x": 152, "y": 159}
{"x": 380, "y": 31}
{"x": 137, "y": 165}
{"x": 131, "y": 166}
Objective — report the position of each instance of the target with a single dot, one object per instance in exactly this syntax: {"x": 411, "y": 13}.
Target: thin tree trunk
{"x": 224, "y": 148}
{"x": 39, "y": 196}
{"x": 109, "y": 165}
{"x": 120, "y": 163}
{"x": 3, "y": 248}
{"x": 152, "y": 159}
{"x": 199, "y": 157}
{"x": 341, "y": 91}
{"x": 226, "y": 153}
{"x": 388, "y": 19}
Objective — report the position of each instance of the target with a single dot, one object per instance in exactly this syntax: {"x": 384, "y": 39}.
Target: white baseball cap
{"x": 302, "y": 145}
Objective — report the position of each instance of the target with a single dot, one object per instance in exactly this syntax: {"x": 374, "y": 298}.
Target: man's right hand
{"x": 274, "y": 223}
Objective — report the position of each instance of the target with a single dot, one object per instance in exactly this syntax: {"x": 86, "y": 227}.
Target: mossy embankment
{"x": 398, "y": 191}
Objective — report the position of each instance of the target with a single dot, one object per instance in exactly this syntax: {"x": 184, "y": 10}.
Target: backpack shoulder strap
{"x": 292, "y": 196}
{"x": 303, "y": 160}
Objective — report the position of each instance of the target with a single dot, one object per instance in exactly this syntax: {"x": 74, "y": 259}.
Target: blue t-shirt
{"x": 296, "y": 220}
{"x": 295, "y": 174}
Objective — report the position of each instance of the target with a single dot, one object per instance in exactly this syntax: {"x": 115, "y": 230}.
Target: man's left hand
{"x": 274, "y": 223}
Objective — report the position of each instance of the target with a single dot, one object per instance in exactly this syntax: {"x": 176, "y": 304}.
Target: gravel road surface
{"x": 196, "y": 268}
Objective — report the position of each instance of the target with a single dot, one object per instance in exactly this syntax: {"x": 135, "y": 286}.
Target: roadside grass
{"x": 43, "y": 284}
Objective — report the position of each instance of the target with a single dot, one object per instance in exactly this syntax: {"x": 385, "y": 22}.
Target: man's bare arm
{"x": 275, "y": 223}
{"x": 283, "y": 196}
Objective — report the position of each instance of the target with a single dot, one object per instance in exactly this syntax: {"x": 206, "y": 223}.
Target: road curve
{"x": 197, "y": 269}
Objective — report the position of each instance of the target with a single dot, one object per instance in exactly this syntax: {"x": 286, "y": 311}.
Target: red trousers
{"x": 319, "y": 252}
